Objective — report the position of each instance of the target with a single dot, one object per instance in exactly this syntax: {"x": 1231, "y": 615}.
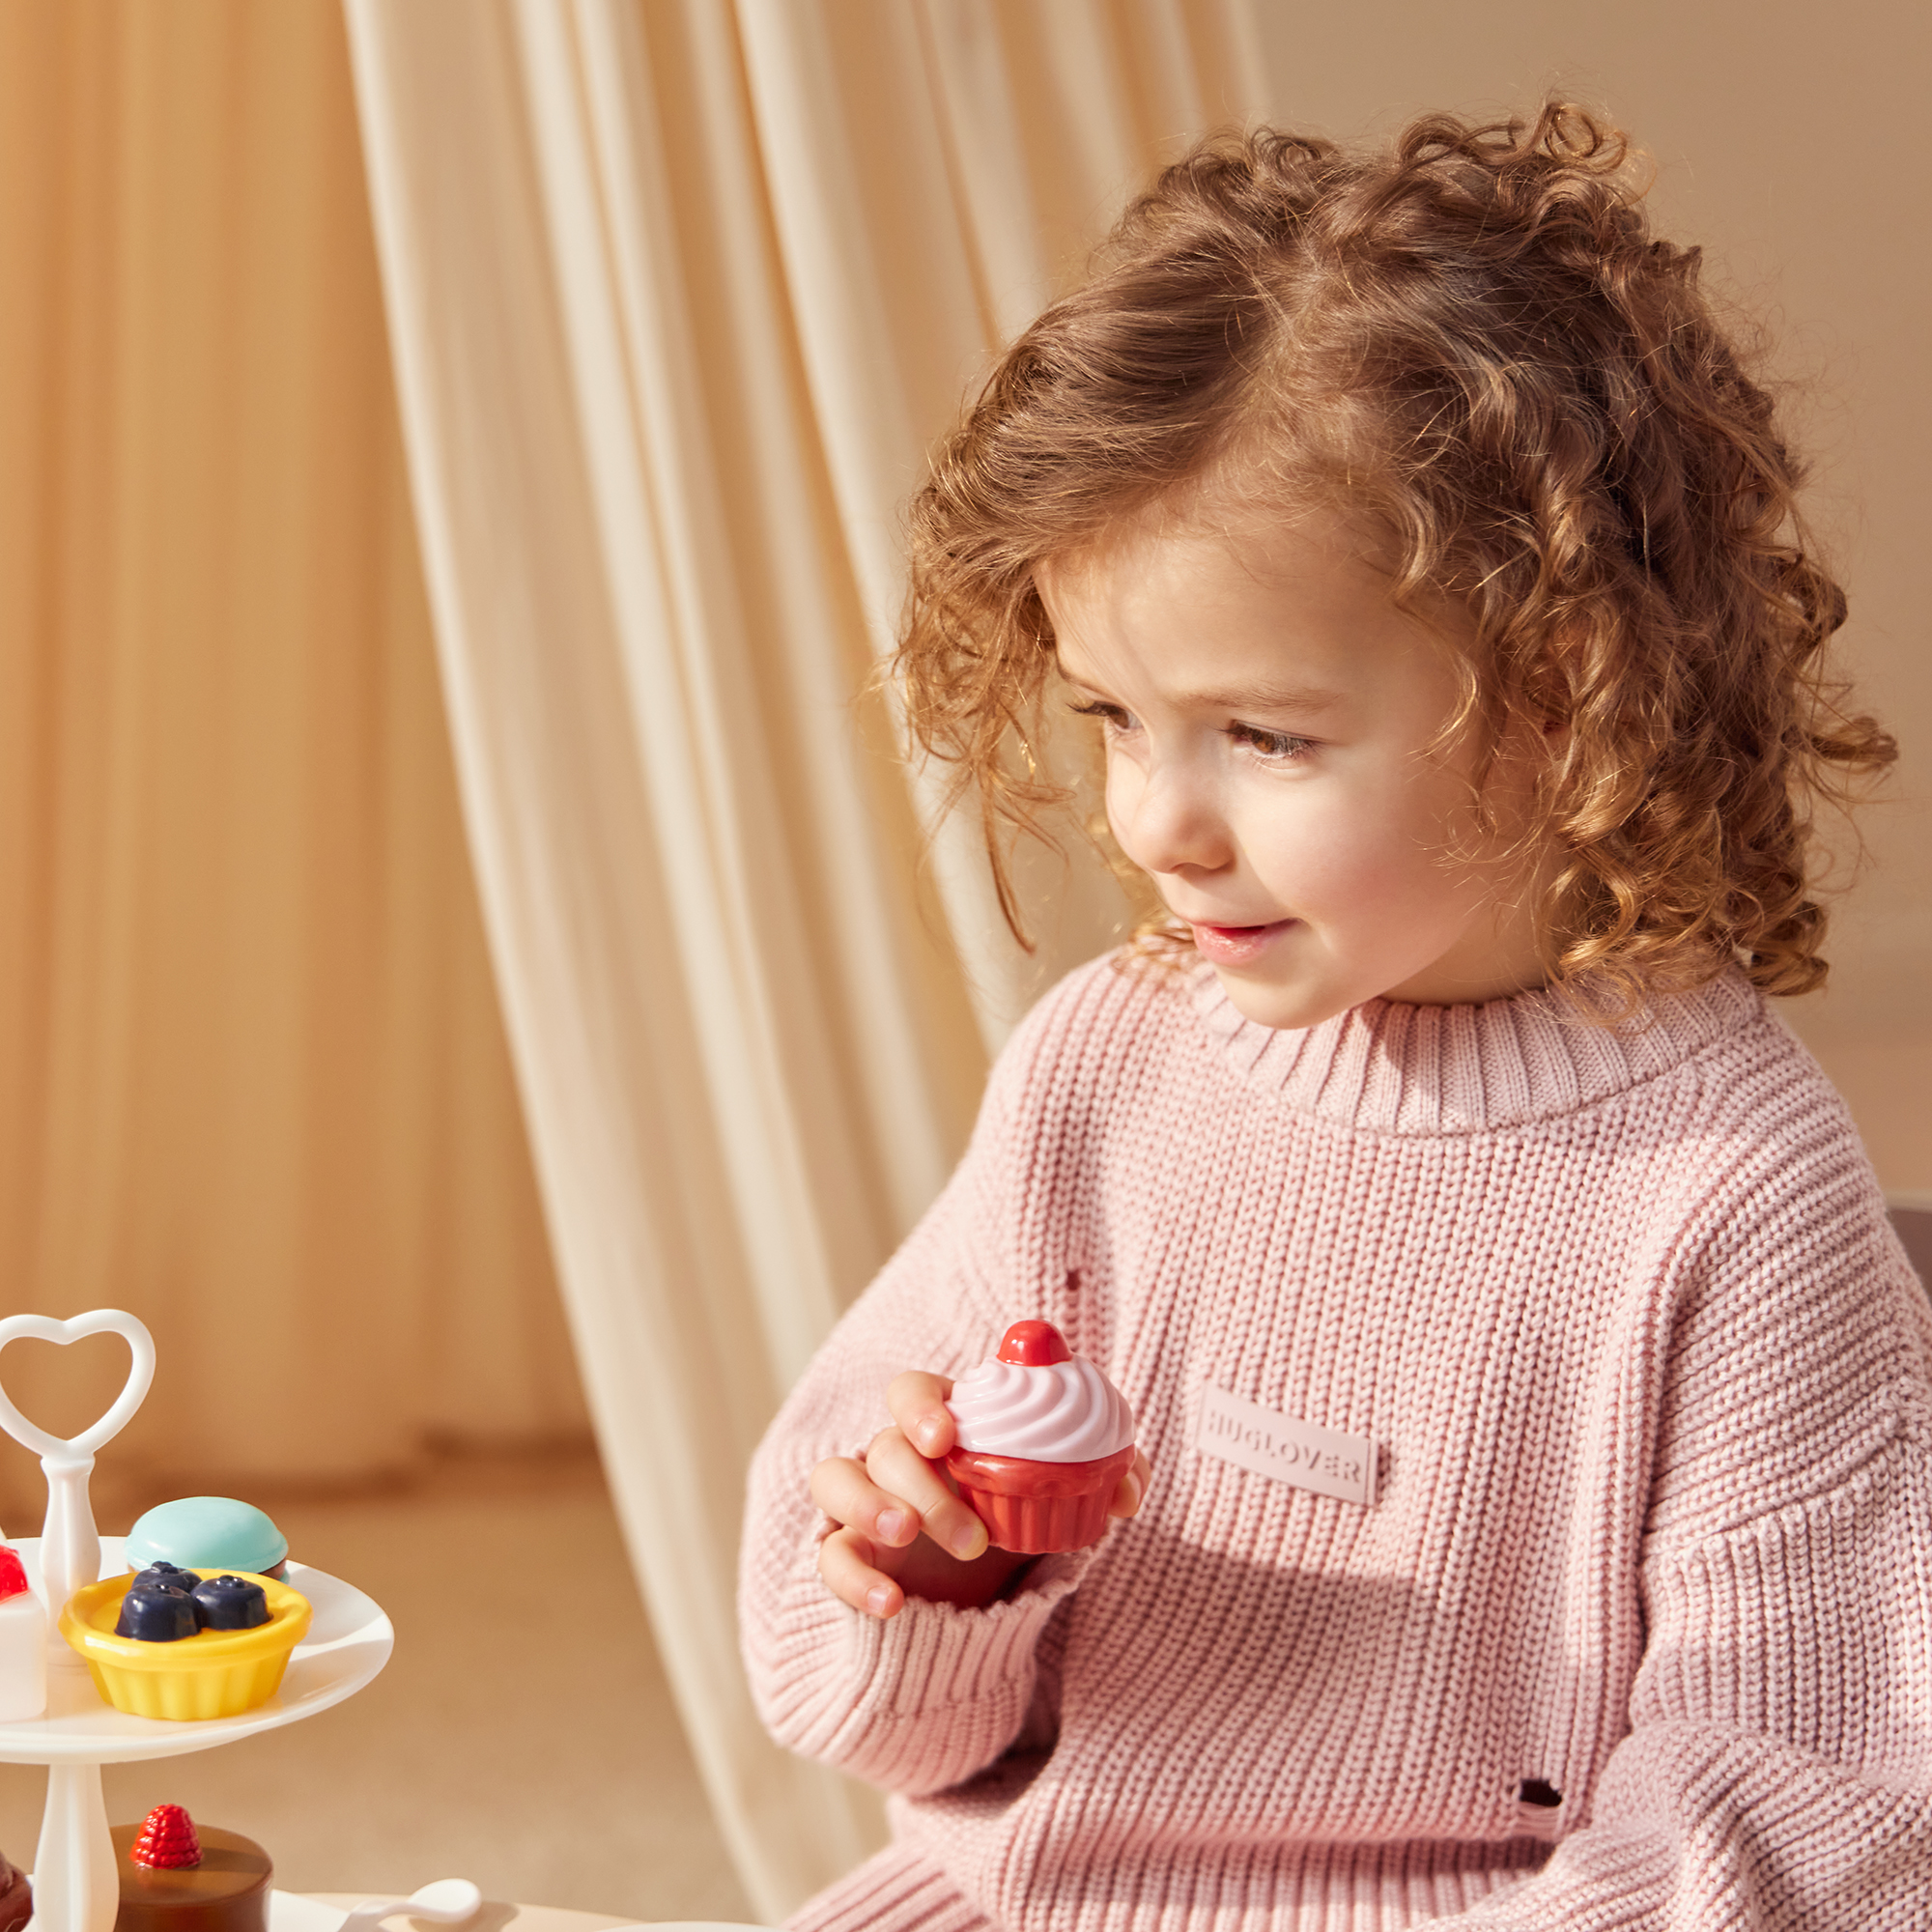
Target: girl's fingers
{"x": 917, "y": 1401}
{"x": 845, "y": 1563}
{"x": 842, "y": 1486}
{"x": 898, "y": 1468}
{"x": 893, "y": 1495}
{"x": 1133, "y": 1487}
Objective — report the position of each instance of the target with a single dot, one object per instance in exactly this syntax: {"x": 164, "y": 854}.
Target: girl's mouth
{"x": 1236, "y": 945}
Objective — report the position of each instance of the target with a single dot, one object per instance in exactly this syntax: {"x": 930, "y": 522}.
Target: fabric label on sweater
{"x": 1300, "y": 1453}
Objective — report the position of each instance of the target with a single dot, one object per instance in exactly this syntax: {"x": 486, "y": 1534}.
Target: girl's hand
{"x": 904, "y": 1531}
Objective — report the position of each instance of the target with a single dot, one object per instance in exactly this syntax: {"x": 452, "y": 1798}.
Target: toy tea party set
{"x": 195, "y": 1630}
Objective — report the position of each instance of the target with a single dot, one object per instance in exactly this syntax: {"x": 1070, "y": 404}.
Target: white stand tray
{"x": 347, "y": 1642}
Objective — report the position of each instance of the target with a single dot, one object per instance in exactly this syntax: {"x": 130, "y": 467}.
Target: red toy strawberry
{"x": 167, "y": 1840}
{"x": 13, "y": 1579}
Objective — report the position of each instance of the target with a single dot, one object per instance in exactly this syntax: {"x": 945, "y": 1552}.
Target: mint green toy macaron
{"x": 209, "y": 1533}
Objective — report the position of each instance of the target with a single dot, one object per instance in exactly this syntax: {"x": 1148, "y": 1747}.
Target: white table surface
{"x": 324, "y": 1910}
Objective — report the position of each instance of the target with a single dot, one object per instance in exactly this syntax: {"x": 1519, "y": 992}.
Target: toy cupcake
{"x": 180, "y": 1877}
{"x": 1042, "y": 1441}
{"x": 23, "y": 1645}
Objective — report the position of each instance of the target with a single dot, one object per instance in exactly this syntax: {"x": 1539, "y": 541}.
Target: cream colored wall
{"x": 1790, "y": 143}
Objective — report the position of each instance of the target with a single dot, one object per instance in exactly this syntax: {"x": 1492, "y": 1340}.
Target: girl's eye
{"x": 1275, "y": 747}
{"x": 1110, "y": 715}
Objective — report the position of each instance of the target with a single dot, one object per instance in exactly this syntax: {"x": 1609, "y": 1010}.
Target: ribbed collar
{"x": 1445, "y": 1069}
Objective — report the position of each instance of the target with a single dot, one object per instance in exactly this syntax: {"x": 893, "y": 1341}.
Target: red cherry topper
{"x": 13, "y": 1578}
{"x": 167, "y": 1840}
{"x": 1033, "y": 1345}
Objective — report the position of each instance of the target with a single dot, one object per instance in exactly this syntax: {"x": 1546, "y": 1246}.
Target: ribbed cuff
{"x": 936, "y": 1657}
{"x": 938, "y": 1692}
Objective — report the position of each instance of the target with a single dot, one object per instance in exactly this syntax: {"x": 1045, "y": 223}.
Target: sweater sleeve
{"x": 1778, "y": 1767}
{"x": 936, "y": 1693}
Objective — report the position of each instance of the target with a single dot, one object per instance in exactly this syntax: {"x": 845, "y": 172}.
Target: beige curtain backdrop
{"x": 680, "y": 289}
{"x": 679, "y": 295}
{"x": 253, "y": 1079}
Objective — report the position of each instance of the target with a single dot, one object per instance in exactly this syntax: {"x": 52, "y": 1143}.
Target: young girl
{"x": 1432, "y": 567}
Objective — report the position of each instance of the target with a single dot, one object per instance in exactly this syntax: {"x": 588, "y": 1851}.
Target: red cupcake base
{"x": 1034, "y": 1509}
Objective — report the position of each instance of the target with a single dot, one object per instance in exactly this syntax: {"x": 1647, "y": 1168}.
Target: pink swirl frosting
{"x": 1063, "y": 1412}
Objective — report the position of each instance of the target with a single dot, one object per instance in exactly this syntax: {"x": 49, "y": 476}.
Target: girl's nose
{"x": 1169, "y": 821}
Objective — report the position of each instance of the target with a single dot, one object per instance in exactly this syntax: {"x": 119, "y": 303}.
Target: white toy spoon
{"x": 443, "y": 1901}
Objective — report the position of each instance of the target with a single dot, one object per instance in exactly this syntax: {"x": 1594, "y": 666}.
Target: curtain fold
{"x": 679, "y": 295}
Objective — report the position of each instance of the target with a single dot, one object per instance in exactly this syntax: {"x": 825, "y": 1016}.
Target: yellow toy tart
{"x": 216, "y": 1673}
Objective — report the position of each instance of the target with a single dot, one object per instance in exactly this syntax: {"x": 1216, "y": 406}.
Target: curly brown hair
{"x": 1473, "y": 337}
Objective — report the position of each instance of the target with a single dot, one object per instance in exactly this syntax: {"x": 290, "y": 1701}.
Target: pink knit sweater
{"x": 1647, "y": 1378}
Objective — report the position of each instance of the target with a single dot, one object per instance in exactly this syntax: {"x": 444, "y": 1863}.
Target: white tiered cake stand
{"x": 76, "y": 1888}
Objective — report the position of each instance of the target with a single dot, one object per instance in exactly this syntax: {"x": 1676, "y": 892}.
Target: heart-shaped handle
{"x": 70, "y": 1548}
{"x": 56, "y": 1449}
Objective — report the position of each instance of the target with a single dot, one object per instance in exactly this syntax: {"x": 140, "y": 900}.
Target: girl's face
{"x": 1269, "y": 716}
